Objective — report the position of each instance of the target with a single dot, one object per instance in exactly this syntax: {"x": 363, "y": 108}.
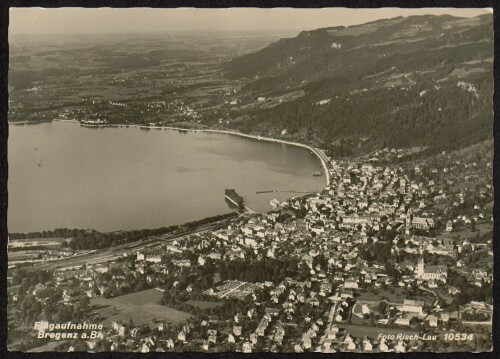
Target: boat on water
{"x": 317, "y": 174}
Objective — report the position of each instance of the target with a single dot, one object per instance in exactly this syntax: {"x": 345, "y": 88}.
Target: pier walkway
{"x": 285, "y": 190}
{"x": 236, "y": 204}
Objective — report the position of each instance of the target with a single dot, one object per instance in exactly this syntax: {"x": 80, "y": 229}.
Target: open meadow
{"x": 139, "y": 308}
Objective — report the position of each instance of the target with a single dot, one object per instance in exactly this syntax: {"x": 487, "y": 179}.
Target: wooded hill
{"x": 420, "y": 80}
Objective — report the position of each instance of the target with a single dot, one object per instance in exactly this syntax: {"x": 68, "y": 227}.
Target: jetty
{"x": 285, "y": 191}
{"x": 233, "y": 197}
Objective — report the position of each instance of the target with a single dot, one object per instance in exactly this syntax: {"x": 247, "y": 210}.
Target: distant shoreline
{"x": 21, "y": 123}
{"x": 317, "y": 152}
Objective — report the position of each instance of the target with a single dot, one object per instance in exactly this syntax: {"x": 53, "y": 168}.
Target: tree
{"x": 84, "y": 302}
{"x": 48, "y": 311}
{"x": 64, "y": 314}
{"x": 382, "y": 307}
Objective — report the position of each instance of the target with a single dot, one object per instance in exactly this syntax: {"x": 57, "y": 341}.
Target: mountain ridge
{"x": 426, "y": 79}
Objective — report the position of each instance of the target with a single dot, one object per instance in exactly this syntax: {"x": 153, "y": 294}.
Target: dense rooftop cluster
{"x": 384, "y": 249}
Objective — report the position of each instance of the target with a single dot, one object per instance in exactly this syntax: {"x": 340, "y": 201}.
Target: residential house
{"x": 247, "y": 347}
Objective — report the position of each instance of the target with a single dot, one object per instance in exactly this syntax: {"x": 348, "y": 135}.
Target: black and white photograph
{"x": 250, "y": 180}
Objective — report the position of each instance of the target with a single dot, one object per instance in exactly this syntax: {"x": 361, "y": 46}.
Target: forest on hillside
{"x": 423, "y": 80}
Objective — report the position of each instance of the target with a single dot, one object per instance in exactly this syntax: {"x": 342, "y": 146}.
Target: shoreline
{"x": 316, "y": 151}
{"x": 21, "y": 123}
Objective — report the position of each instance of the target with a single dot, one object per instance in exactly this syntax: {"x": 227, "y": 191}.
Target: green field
{"x": 148, "y": 315}
{"x": 398, "y": 295}
{"x": 140, "y": 308}
{"x": 143, "y": 297}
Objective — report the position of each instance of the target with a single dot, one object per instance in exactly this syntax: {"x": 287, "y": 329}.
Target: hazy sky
{"x": 135, "y": 20}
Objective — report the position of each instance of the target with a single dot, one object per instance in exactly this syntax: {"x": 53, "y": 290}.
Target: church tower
{"x": 420, "y": 268}
{"x": 408, "y": 221}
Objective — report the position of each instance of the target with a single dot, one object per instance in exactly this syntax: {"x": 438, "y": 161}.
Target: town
{"x": 384, "y": 243}
{"x": 393, "y": 255}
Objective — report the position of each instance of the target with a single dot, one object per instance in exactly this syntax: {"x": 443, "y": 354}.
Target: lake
{"x": 62, "y": 175}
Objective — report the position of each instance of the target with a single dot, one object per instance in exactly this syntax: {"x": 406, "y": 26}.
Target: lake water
{"x": 64, "y": 175}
